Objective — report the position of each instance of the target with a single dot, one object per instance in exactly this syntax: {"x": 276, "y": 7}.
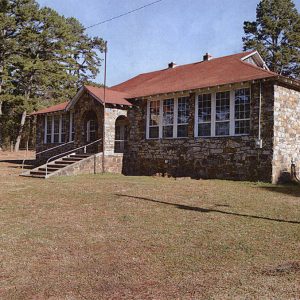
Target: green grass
{"x": 116, "y": 237}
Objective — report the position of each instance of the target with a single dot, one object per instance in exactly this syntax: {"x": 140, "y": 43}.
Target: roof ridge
{"x": 182, "y": 66}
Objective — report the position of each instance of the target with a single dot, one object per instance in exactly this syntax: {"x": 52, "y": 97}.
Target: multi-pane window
{"x": 204, "y": 115}
{"x": 55, "y": 129}
{"x": 63, "y": 129}
{"x": 154, "y": 119}
{"x": 222, "y": 113}
{"x": 168, "y": 118}
{"x": 183, "y": 116}
{"x": 242, "y": 111}
{"x": 72, "y": 126}
{"x": 48, "y": 129}
{"x": 91, "y": 130}
{"x": 56, "y": 126}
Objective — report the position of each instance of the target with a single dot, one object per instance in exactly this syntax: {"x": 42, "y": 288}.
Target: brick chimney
{"x": 172, "y": 65}
{"x": 207, "y": 57}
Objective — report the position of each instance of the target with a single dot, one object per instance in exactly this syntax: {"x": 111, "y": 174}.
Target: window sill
{"x": 167, "y": 139}
{"x": 221, "y": 136}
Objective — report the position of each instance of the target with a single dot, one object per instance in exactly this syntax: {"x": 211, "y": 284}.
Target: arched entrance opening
{"x": 91, "y": 130}
{"x": 121, "y": 134}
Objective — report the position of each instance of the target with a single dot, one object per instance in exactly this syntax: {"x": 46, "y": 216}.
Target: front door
{"x": 91, "y": 135}
{"x": 91, "y": 131}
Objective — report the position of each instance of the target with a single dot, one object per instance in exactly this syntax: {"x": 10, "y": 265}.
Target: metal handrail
{"x": 23, "y": 162}
{"x": 65, "y": 154}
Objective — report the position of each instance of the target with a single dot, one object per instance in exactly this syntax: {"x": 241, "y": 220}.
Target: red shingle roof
{"x": 217, "y": 71}
{"x": 54, "y": 108}
{"x": 112, "y": 97}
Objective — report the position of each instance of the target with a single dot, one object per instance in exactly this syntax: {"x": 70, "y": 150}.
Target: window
{"x": 121, "y": 134}
{"x": 55, "y": 127}
{"x": 72, "y": 127}
{"x": 204, "y": 115}
{"x": 154, "y": 119}
{"x": 48, "y": 138}
{"x": 63, "y": 129}
{"x": 91, "y": 130}
{"x": 56, "y": 121}
{"x": 242, "y": 111}
{"x": 222, "y": 113}
{"x": 183, "y": 116}
{"x": 168, "y": 118}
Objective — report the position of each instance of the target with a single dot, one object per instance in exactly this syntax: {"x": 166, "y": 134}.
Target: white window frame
{"x": 71, "y": 127}
{"x": 52, "y": 129}
{"x": 246, "y": 119}
{"x": 160, "y": 125}
{"x": 212, "y": 117}
{"x": 176, "y": 117}
{"x": 230, "y": 114}
{"x": 89, "y": 130}
{"x": 213, "y": 112}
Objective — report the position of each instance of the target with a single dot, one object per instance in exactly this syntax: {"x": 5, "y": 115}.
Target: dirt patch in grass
{"x": 116, "y": 237}
{"x": 285, "y": 268}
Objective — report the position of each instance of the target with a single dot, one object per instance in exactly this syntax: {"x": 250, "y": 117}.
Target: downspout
{"x": 259, "y": 140}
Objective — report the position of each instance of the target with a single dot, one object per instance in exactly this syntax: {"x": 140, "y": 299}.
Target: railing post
{"x": 84, "y": 150}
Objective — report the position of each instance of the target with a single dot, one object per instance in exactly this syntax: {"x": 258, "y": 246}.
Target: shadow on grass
{"x": 289, "y": 189}
{"x": 208, "y": 210}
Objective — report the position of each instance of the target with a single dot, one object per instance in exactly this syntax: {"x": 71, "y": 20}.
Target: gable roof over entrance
{"x": 111, "y": 97}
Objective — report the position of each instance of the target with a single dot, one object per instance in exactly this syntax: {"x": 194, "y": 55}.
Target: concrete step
{"x": 81, "y": 155}
{"x": 35, "y": 176}
{"x": 74, "y": 159}
{"x": 63, "y": 163}
{"x": 49, "y": 169}
{"x": 38, "y": 173}
{"x": 53, "y": 166}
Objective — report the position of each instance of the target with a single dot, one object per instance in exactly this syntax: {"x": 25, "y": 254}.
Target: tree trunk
{"x": 1, "y": 113}
{"x": 18, "y": 141}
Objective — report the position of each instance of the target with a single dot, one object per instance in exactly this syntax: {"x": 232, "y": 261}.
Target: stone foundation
{"x": 93, "y": 165}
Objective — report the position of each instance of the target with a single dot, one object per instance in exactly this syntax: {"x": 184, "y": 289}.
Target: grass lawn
{"x": 116, "y": 237}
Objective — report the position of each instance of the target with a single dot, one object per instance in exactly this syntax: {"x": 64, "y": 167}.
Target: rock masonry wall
{"x": 286, "y": 132}
{"x": 235, "y": 157}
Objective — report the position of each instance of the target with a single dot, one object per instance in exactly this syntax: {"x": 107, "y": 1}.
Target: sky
{"x": 181, "y": 31}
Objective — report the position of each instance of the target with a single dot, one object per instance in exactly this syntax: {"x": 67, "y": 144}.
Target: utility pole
{"x": 104, "y": 101}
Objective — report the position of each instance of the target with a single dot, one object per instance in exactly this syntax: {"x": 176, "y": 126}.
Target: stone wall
{"x": 234, "y": 157}
{"x": 93, "y": 165}
{"x": 85, "y": 105}
{"x": 286, "y": 132}
{"x": 111, "y": 115}
{"x": 82, "y": 108}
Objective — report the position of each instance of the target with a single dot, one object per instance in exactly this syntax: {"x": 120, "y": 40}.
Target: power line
{"x": 124, "y": 14}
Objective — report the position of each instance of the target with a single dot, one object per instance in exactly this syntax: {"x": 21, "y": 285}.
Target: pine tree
{"x": 276, "y": 35}
{"x": 44, "y": 58}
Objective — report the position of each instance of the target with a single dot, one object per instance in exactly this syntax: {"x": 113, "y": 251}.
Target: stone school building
{"x": 226, "y": 118}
